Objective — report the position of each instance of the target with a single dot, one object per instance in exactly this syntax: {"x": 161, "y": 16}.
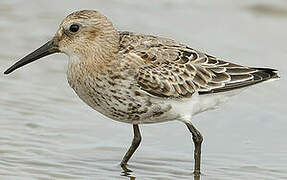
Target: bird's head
{"x": 82, "y": 35}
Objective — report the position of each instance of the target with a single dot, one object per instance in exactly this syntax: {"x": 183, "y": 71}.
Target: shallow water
{"x": 48, "y": 133}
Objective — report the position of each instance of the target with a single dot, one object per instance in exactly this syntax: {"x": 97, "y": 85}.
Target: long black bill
{"x": 49, "y": 48}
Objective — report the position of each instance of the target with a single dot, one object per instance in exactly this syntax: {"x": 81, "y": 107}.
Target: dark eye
{"x": 74, "y": 28}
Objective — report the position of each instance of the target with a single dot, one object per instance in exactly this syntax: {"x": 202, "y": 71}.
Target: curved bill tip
{"x": 8, "y": 71}
{"x": 49, "y": 48}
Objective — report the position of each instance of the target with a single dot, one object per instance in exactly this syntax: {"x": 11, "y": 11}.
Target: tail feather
{"x": 260, "y": 75}
{"x": 267, "y": 73}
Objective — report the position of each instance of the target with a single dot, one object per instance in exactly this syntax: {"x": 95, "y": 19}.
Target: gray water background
{"x": 46, "y": 132}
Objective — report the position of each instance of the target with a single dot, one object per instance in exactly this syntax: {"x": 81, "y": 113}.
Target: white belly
{"x": 187, "y": 108}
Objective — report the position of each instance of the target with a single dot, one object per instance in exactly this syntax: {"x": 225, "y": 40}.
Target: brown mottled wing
{"x": 174, "y": 70}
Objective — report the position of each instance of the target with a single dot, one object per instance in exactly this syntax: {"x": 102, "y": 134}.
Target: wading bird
{"x": 140, "y": 79}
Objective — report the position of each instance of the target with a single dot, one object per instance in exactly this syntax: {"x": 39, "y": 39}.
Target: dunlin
{"x": 140, "y": 79}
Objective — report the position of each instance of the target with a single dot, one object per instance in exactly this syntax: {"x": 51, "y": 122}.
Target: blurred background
{"x": 48, "y": 133}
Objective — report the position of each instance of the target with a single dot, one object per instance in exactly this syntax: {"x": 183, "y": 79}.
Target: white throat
{"x": 73, "y": 57}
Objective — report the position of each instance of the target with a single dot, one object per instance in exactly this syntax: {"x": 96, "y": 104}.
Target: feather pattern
{"x": 171, "y": 69}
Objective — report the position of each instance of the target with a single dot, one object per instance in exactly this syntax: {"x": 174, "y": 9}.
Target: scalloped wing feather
{"x": 170, "y": 69}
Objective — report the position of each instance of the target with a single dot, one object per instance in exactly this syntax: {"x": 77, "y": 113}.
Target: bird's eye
{"x": 74, "y": 28}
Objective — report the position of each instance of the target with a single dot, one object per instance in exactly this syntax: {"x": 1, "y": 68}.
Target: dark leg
{"x": 135, "y": 144}
{"x": 197, "y": 140}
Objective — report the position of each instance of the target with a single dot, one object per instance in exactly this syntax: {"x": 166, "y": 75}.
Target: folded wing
{"x": 171, "y": 69}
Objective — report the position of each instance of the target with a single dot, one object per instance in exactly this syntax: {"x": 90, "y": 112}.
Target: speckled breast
{"x": 115, "y": 94}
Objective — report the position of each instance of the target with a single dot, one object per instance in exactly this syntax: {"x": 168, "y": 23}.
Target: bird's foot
{"x": 125, "y": 169}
